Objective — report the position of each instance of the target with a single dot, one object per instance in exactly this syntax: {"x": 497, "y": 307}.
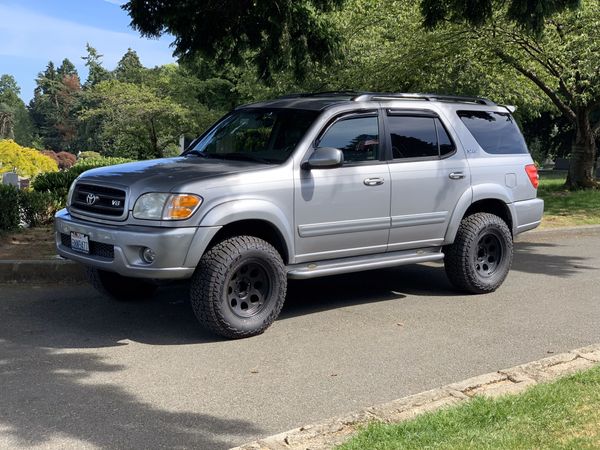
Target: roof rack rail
{"x": 321, "y": 94}
{"x": 370, "y": 96}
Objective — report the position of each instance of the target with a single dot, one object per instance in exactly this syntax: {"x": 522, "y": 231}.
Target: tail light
{"x": 533, "y": 175}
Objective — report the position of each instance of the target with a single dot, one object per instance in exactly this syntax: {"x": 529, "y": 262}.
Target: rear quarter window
{"x": 495, "y": 132}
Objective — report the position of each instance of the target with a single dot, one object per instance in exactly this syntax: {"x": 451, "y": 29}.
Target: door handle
{"x": 373, "y": 181}
{"x": 456, "y": 176}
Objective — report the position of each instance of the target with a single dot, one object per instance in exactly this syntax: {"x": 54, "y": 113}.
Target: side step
{"x": 365, "y": 262}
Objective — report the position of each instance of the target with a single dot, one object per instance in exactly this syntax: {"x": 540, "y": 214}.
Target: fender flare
{"x": 487, "y": 191}
{"x": 252, "y": 209}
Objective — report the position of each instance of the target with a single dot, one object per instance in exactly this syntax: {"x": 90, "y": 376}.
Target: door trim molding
{"x": 343, "y": 226}
{"x": 412, "y": 220}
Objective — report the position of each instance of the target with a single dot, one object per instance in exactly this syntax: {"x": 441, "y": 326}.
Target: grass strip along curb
{"x": 335, "y": 431}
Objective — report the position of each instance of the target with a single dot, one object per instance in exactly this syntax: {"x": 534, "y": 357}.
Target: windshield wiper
{"x": 197, "y": 153}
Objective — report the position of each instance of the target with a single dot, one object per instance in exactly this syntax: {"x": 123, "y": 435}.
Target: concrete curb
{"x": 334, "y": 431}
{"x": 40, "y": 271}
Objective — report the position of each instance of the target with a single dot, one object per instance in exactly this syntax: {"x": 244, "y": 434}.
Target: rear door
{"x": 345, "y": 211}
{"x": 429, "y": 175}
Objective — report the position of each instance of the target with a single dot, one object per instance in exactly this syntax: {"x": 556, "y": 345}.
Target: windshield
{"x": 263, "y": 135}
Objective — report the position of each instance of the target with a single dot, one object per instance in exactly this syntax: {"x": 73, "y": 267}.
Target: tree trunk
{"x": 154, "y": 141}
{"x": 583, "y": 154}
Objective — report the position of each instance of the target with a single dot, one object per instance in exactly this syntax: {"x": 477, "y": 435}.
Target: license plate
{"x": 80, "y": 242}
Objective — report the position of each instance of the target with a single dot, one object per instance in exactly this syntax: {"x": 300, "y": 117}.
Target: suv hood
{"x": 163, "y": 175}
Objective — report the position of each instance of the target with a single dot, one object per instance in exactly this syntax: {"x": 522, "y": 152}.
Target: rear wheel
{"x": 481, "y": 256}
{"x": 239, "y": 287}
{"x": 119, "y": 287}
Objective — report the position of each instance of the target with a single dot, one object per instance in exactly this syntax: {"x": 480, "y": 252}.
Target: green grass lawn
{"x": 567, "y": 208}
{"x": 564, "y": 414}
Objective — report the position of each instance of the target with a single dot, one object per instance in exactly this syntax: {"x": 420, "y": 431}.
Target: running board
{"x": 365, "y": 262}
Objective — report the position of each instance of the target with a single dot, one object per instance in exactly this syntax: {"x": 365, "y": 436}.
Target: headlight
{"x": 162, "y": 206}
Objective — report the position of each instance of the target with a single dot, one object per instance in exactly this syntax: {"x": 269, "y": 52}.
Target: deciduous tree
{"x": 135, "y": 120}
{"x": 275, "y": 35}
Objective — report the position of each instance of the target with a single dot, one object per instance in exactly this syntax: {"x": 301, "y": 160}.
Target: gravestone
{"x": 11, "y": 179}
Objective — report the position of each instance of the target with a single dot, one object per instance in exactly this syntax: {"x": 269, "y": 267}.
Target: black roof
{"x": 321, "y": 100}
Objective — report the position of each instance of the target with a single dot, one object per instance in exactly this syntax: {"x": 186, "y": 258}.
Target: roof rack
{"x": 388, "y": 96}
{"x": 322, "y": 94}
{"x": 374, "y": 96}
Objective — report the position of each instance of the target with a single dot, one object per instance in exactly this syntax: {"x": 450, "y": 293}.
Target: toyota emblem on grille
{"x": 91, "y": 199}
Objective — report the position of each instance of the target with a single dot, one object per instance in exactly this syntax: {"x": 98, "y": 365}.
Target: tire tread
{"x": 211, "y": 274}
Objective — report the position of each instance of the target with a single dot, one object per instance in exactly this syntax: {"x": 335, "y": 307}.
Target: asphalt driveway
{"x": 79, "y": 371}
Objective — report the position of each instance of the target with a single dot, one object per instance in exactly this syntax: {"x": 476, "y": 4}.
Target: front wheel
{"x": 239, "y": 287}
{"x": 479, "y": 259}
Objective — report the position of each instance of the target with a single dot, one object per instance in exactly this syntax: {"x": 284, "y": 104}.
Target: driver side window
{"x": 356, "y": 137}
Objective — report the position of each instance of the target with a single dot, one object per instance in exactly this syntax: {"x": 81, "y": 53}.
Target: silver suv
{"x": 306, "y": 186}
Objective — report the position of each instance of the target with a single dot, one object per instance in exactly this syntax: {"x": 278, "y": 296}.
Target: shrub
{"x": 27, "y": 162}
{"x": 9, "y": 206}
{"x": 66, "y": 160}
{"x": 88, "y": 155}
{"x": 38, "y": 208}
{"x": 51, "y": 154}
{"x": 101, "y": 161}
{"x": 26, "y": 207}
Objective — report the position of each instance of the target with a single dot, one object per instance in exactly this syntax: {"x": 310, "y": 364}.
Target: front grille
{"x": 102, "y": 200}
{"x": 96, "y": 248}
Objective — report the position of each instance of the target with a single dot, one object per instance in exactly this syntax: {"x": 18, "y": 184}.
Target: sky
{"x": 33, "y": 32}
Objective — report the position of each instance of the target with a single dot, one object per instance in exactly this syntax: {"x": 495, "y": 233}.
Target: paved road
{"x": 78, "y": 371}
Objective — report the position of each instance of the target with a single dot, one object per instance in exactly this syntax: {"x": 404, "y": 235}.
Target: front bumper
{"x": 177, "y": 250}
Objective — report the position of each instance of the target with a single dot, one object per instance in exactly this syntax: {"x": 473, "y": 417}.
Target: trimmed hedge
{"x": 59, "y": 183}
{"x": 26, "y": 207}
{"x": 88, "y": 155}
{"x": 9, "y": 205}
{"x": 38, "y": 208}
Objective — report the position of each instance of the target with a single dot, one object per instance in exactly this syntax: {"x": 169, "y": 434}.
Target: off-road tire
{"x": 213, "y": 287}
{"x": 118, "y": 287}
{"x": 466, "y": 259}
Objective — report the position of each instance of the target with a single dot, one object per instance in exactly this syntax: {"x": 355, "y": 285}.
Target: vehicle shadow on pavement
{"x": 533, "y": 257}
{"x": 53, "y": 384}
{"x": 321, "y": 294}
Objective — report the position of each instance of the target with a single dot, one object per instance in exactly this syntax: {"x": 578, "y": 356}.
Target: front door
{"x": 344, "y": 211}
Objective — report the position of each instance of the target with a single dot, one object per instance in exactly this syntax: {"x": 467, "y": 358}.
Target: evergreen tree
{"x": 14, "y": 111}
{"x": 67, "y": 68}
{"x": 129, "y": 69}
{"x": 96, "y": 73}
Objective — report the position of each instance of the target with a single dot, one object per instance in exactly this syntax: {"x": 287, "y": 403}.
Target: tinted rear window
{"x": 495, "y": 132}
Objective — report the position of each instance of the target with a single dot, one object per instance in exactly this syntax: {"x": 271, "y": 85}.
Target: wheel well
{"x": 257, "y": 228}
{"x": 492, "y": 206}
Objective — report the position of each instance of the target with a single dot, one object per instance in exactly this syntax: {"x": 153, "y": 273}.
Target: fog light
{"x": 148, "y": 255}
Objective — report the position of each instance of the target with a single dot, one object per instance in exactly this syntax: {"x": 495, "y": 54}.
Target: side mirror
{"x": 324, "y": 158}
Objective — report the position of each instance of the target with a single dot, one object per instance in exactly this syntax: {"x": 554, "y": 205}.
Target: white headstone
{"x": 11, "y": 179}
